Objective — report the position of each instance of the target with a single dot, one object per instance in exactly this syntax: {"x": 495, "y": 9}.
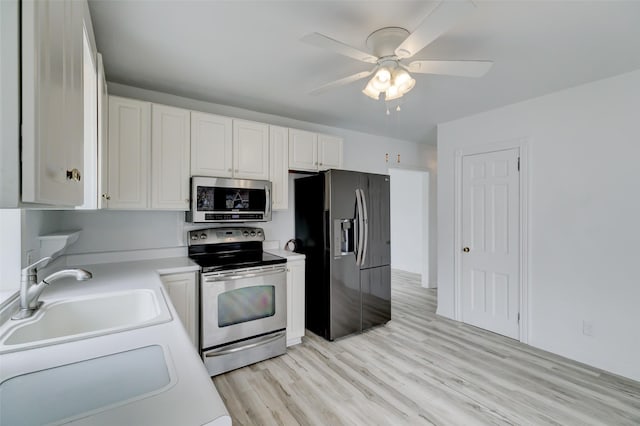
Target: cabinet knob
{"x": 106, "y": 197}
{"x": 466, "y": 249}
{"x": 74, "y": 174}
{"x": 237, "y": 170}
{"x": 230, "y": 170}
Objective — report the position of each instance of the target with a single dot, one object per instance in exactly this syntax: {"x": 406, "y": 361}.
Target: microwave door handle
{"x": 269, "y": 201}
{"x": 360, "y": 228}
{"x": 366, "y": 227}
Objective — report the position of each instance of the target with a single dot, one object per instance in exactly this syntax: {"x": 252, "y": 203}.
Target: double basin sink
{"x": 144, "y": 369}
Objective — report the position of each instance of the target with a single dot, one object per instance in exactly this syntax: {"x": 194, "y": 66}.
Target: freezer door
{"x": 376, "y": 199}
{"x": 376, "y": 296}
{"x": 344, "y": 287}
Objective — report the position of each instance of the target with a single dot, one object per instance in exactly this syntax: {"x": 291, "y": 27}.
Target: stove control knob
{"x": 259, "y": 233}
{"x": 203, "y": 236}
{"x": 253, "y": 233}
{"x": 194, "y": 237}
{"x": 245, "y": 234}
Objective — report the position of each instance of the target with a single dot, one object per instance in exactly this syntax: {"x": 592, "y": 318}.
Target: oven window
{"x": 246, "y": 304}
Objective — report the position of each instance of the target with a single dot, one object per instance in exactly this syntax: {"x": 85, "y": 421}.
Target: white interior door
{"x": 490, "y": 283}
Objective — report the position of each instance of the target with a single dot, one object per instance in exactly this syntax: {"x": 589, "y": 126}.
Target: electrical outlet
{"x": 587, "y": 328}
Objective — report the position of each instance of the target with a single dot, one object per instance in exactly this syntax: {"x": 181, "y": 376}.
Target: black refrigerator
{"x": 342, "y": 226}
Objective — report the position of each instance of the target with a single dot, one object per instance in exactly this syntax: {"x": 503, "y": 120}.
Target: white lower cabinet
{"x": 183, "y": 292}
{"x": 295, "y": 302}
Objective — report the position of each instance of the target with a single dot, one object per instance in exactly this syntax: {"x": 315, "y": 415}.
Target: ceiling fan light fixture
{"x": 392, "y": 93}
{"x": 400, "y": 77}
{"x": 407, "y": 86}
{"x": 371, "y": 91}
{"x": 383, "y": 75}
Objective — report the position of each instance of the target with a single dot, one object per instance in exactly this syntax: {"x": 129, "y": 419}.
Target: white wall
{"x": 584, "y": 210}
{"x": 135, "y": 230}
{"x": 409, "y": 222}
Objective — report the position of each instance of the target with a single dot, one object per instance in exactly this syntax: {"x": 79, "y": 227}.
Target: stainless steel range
{"x": 243, "y": 297}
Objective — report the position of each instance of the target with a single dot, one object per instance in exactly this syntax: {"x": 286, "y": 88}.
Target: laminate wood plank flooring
{"x": 424, "y": 369}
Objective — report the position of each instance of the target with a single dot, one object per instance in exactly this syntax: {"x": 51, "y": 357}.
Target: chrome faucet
{"x": 30, "y": 291}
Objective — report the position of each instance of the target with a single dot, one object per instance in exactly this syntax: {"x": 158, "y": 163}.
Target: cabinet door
{"x": 183, "y": 292}
{"x": 103, "y": 126}
{"x": 52, "y": 102}
{"x": 303, "y": 150}
{"x": 279, "y": 167}
{"x": 170, "y": 157}
{"x": 211, "y": 145}
{"x": 250, "y": 150}
{"x": 129, "y": 152}
{"x": 329, "y": 152}
{"x": 295, "y": 301}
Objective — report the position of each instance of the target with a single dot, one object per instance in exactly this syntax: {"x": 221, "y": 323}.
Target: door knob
{"x": 466, "y": 249}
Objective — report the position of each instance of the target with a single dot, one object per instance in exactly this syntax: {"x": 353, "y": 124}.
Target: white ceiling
{"x": 247, "y": 54}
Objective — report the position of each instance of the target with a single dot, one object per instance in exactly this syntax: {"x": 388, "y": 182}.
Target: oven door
{"x": 243, "y": 303}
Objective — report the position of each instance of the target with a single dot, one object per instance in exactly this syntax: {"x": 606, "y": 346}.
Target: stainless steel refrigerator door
{"x": 344, "y": 290}
{"x": 376, "y": 296}
{"x": 375, "y": 191}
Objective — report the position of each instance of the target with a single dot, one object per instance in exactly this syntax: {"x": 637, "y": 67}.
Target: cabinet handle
{"x": 106, "y": 197}
{"x": 74, "y": 174}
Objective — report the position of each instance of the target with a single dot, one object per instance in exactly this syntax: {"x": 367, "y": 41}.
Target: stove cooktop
{"x": 213, "y": 262}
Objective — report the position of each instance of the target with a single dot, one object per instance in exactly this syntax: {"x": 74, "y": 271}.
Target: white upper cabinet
{"x": 90, "y": 93}
{"x": 52, "y": 102}
{"x": 211, "y": 145}
{"x": 250, "y": 150}
{"x": 129, "y": 152}
{"x": 329, "y": 152}
{"x": 312, "y": 152}
{"x": 170, "y": 157}
{"x": 279, "y": 167}
{"x": 303, "y": 150}
{"x": 103, "y": 132}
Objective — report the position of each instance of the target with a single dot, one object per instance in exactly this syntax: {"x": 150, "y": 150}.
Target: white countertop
{"x": 190, "y": 399}
{"x": 289, "y": 255}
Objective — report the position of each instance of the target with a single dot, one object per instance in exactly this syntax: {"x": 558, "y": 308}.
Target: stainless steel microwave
{"x": 229, "y": 200}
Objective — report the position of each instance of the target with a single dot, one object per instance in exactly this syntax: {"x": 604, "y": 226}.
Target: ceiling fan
{"x": 392, "y": 46}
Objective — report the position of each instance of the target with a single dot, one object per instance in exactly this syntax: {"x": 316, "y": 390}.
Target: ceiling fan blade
{"x": 443, "y": 17}
{"x": 457, "y": 68}
{"x": 341, "y": 82}
{"x": 320, "y": 40}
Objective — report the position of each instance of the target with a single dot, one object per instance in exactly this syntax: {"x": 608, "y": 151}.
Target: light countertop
{"x": 289, "y": 255}
{"x": 190, "y": 398}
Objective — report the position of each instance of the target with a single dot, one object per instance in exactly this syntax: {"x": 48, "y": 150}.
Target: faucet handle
{"x": 31, "y": 269}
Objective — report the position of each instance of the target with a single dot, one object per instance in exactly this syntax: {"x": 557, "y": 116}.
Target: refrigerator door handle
{"x": 366, "y": 227}
{"x": 360, "y": 229}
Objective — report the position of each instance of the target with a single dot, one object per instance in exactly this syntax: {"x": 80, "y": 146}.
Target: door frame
{"x": 522, "y": 145}
{"x": 426, "y": 218}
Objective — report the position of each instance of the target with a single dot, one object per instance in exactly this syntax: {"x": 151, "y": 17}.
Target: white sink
{"x": 65, "y": 393}
{"x": 84, "y": 317}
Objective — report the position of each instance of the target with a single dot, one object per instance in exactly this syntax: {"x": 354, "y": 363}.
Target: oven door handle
{"x": 209, "y": 279}
{"x": 262, "y": 341}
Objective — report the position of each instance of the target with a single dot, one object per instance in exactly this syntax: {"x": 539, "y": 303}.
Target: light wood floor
{"x": 423, "y": 369}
